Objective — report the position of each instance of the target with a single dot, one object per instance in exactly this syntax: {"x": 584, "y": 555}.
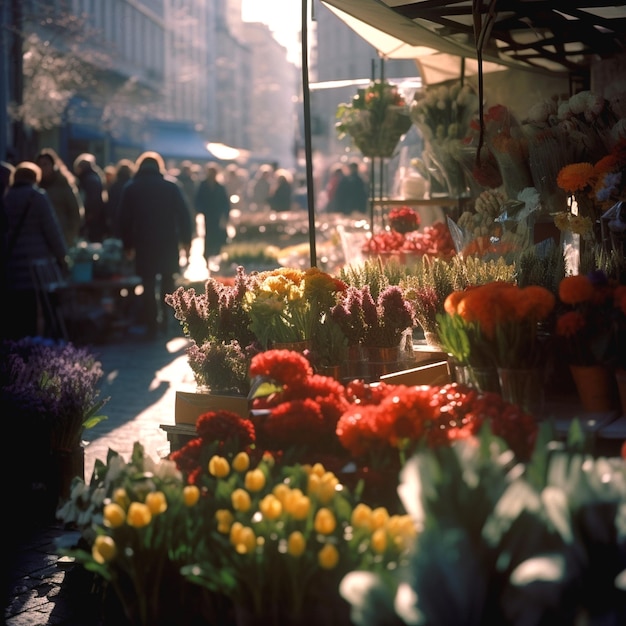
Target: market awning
{"x": 559, "y": 37}
{"x": 173, "y": 140}
{"x": 435, "y": 66}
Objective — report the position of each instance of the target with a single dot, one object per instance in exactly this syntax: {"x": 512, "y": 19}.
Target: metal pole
{"x": 310, "y": 191}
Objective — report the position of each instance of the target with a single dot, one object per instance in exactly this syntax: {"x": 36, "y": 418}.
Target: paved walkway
{"x": 140, "y": 379}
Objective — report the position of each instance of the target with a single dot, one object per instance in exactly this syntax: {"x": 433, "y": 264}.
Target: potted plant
{"x": 50, "y": 392}
{"x": 376, "y": 119}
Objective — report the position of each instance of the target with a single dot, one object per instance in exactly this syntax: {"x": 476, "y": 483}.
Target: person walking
{"x": 91, "y": 188}
{"x": 281, "y": 197}
{"x": 60, "y": 185}
{"x": 33, "y": 233}
{"x": 188, "y": 183}
{"x": 260, "y": 187}
{"x": 124, "y": 170}
{"x": 213, "y": 203}
{"x": 154, "y": 225}
{"x": 352, "y": 193}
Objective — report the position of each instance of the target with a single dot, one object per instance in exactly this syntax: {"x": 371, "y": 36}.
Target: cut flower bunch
{"x": 496, "y": 324}
{"x": 587, "y": 320}
{"x": 376, "y": 119}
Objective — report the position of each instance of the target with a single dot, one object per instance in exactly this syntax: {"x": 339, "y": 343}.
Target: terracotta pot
{"x": 596, "y": 387}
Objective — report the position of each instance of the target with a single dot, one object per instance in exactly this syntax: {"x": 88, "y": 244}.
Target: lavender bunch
{"x": 54, "y": 385}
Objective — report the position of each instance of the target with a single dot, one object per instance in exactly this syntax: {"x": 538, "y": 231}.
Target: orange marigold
{"x": 538, "y": 302}
{"x": 575, "y": 289}
{"x": 575, "y": 177}
{"x": 486, "y": 306}
{"x": 451, "y": 303}
{"x": 570, "y": 323}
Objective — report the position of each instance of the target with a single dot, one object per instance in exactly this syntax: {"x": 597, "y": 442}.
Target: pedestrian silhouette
{"x": 60, "y": 185}
{"x": 352, "y": 192}
{"x": 154, "y": 225}
{"x": 213, "y": 203}
{"x": 34, "y": 233}
{"x": 91, "y": 187}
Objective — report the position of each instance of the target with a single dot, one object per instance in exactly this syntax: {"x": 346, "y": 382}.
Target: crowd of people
{"x": 47, "y": 208}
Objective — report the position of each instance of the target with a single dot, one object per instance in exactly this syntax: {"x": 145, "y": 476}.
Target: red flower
{"x": 285, "y": 366}
{"x": 223, "y": 426}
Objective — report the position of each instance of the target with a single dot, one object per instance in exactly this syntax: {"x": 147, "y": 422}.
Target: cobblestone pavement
{"x": 140, "y": 380}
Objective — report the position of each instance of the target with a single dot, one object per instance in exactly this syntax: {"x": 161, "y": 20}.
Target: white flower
{"x": 541, "y": 112}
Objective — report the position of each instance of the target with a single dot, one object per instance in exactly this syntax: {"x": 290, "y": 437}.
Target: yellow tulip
{"x": 271, "y": 507}
{"x": 380, "y": 516}
{"x": 138, "y": 515}
{"x": 219, "y": 467}
{"x": 379, "y": 540}
{"x": 121, "y": 497}
{"x": 296, "y": 543}
{"x": 298, "y": 505}
{"x": 225, "y": 521}
{"x": 362, "y": 516}
{"x": 114, "y": 515}
{"x": 156, "y": 502}
{"x": 241, "y": 462}
{"x": 254, "y": 480}
{"x": 280, "y": 491}
{"x": 191, "y": 495}
{"x": 328, "y": 557}
{"x": 240, "y": 499}
{"x": 246, "y": 541}
{"x": 103, "y": 549}
{"x": 325, "y": 522}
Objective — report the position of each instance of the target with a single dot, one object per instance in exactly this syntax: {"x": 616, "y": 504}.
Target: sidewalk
{"x": 140, "y": 379}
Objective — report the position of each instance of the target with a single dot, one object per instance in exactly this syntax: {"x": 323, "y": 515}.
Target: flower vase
{"x": 355, "y": 367}
{"x": 381, "y": 361}
{"x": 484, "y": 379}
{"x": 595, "y": 385}
{"x": 524, "y": 388}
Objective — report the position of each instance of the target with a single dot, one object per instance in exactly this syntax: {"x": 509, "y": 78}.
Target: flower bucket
{"x": 82, "y": 271}
{"x": 381, "y": 361}
{"x": 484, "y": 379}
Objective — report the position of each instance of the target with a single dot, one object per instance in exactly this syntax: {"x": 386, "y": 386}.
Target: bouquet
{"x": 218, "y": 325}
{"x": 378, "y": 322}
{"x": 403, "y": 219}
{"x": 376, "y": 119}
{"x": 51, "y": 388}
{"x": 496, "y": 324}
{"x": 443, "y": 115}
{"x": 286, "y": 304}
{"x": 586, "y": 318}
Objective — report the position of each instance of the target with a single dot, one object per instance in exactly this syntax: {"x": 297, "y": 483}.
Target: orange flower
{"x": 537, "y": 302}
{"x": 487, "y": 306}
{"x": 569, "y": 324}
{"x": 575, "y": 177}
{"x": 576, "y": 289}
{"x": 452, "y": 301}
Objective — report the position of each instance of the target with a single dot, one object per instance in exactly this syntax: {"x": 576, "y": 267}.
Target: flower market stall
{"x": 330, "y": 493}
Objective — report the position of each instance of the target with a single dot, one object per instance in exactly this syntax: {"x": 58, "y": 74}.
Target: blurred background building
{"x": 115, "y": 78}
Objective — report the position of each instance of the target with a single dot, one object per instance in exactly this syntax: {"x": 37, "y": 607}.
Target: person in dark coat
{"x": 91, "y": 188}
{"x": 34, "y": 233}
{"x": 6, "y": 171}
{"x": 154, "y": 225}
{"x": 60, "y": 186}
{"x": 281, "y": 197}
{"x": 352, "y": 193}
{"x": 124, "y": 170}
{"x": 213, "y": 203}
